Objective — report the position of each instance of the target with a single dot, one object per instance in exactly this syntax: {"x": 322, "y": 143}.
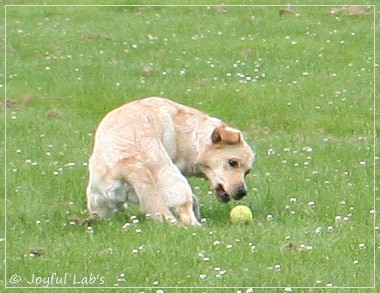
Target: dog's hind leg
{"x": 97, "y": 203}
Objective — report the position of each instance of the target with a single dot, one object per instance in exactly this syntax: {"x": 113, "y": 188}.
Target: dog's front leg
{"x": 143, "y": 182}
{"x": 154, "y": 205}
{"x": 161, "y": 189}
{"x": 196, "y": 210}
{"x": 186, "y": 214}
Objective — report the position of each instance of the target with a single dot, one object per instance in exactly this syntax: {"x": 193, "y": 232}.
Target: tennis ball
{"x": 241, "y": 215}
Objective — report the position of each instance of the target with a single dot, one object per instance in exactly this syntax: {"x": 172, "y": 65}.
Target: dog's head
{"x": 225, "y": 162}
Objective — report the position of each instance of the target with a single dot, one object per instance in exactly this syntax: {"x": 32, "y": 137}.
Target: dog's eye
{"x": 233, "y": 163}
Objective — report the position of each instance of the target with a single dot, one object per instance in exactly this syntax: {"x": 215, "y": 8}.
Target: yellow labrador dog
{"x": 144, "y": 149}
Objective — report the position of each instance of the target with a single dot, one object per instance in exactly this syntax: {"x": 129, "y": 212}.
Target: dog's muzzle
{"x": 222, "y": 194}
{"x": 224, "y": 197}
{"x": 241, "y": 192}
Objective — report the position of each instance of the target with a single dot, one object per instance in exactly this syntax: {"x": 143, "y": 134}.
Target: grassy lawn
{"x": 298, "y": 83}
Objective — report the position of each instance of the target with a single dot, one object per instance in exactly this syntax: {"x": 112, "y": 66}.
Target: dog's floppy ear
{"x": 225, "y": 134}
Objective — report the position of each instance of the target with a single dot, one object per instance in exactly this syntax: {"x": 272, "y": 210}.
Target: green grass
{"x": 301, "y": 89}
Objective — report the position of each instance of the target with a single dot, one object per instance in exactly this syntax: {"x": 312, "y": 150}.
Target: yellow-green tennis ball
{"x": 241, "y": 215}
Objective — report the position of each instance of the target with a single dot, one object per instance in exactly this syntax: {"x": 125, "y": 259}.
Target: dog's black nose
{"x": 241, "y": 192}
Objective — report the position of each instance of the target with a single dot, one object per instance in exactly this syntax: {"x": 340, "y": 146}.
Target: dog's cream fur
{"x": 143, "y": 150}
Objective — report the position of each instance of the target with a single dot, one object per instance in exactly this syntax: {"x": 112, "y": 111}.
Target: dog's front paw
{"x": 171, "y": 220}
